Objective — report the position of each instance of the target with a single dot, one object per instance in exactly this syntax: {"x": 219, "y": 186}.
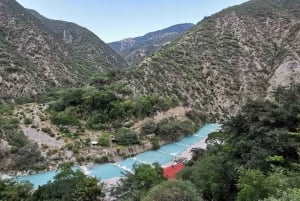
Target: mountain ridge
{"x": 135, "y": 49}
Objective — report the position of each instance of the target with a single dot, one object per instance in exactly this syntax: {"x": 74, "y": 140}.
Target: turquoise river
{"x": 163, "y": 155}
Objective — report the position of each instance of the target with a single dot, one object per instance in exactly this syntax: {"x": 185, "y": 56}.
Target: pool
{"x": 162, "y": 156}
{"x": 189, "y": 140}
{"x": 150, "y": 157}
{"x": 208, "y": 128}
{"x": 38, "y": 179}
{"x": 128, "y": 164}
{"x": 107, "y": 171}
{"x": 172, "y": 149}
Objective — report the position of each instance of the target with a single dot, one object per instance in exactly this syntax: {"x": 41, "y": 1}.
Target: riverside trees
{"x": 256, "y": 156}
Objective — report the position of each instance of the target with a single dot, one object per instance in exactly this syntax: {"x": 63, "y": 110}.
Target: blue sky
{"x": 113, "y": 20}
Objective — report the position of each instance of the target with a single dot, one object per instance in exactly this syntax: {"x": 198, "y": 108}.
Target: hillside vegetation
{"x": 240, "y": 53}
{"x": 63, "y": 125}
{"x": 255, "y": 157}
{"x": 239, "y": 67}
{"x": 38, "y": 53}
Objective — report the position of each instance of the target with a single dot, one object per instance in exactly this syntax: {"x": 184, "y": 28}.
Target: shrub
{"x": 27, "y": 121}
{"x": 155, "y": 143}
{"x": 63, "y": 118}
{"x": 27, "y": 157}
{"x": 125, "y": 136}
{"x": 47, "y": 130}
{"x": 104, "y": 141}
{"x": 149, "y": 128}
{"x": 172, "y": 129}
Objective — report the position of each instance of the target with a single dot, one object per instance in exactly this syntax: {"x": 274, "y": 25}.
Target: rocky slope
{"x": 242, "y": 52}
{"x": 135, "y": 49}
{"x": 38, "y": 53}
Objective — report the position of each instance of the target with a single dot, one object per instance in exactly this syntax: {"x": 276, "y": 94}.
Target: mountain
{"x": 38, "y": 53}
{"x": 243, "y": 52}
{"x": 135, "y": 49}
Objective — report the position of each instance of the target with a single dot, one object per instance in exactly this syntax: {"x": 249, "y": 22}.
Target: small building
{"x": 94, "y": 143}
{"x": 149, "y": 136}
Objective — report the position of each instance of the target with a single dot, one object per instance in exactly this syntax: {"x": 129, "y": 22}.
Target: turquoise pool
{"x": 163, "y": 155}
{"x": 38, "y": 179}
{"x": 128, "y": 163}
{"x": 107, "y": 171}
{"x": 172, "y": 149}
{"x": 150, "y": 157}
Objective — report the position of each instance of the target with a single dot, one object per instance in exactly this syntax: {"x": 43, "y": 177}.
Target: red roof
{"x": 171, "y": 171}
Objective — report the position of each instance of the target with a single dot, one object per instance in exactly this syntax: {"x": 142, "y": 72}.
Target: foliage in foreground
{"x": 69, "y": 185}
{"x": 256, "y": 156}
{"x": 135, "y": 185}
{"x": 13, "y": 191}
{"x": 173, "y": 190}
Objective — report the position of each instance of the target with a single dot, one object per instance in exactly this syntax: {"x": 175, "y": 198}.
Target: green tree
{"x": 255, "y": 185}
{"x": 13, "y": 191}
{"x": 252, "y": 185}
{"x": 63, "y": 118}
{"x": 126, "y": 136}
{"x": 214, "y": 176}
{"x": 172, "y": 129}
{"x": 104, "y": 141}
{"x": 134, "y": 186}
{"x": 69, "y": 185}
{"x": 290, "y": 195}
{"x": 172, "y": 191}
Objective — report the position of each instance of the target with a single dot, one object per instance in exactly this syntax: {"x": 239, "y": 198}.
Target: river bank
{"x": 186, "y": 155}
{"x": 165, "y": 156}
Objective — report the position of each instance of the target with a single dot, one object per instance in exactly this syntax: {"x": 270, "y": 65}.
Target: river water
{"x": 163, "y": 155}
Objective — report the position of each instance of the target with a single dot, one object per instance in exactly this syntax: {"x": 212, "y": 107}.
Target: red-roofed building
{"x": 171, "y": 171}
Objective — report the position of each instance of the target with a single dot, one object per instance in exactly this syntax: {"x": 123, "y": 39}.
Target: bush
{"x": 27, "y": 121}
{"x": 27, "y": 157}
{"x": 63, "y": 118}
{"x": 155, "y": 143}
{"x": 125, "y": 136}
{"x": 48, "y": 130}
{"x": 149, "y": 128}
{"x": 172, "y": 129}
{"x": 104, "y": 141}
{"x": 17, "y": 139}
{"x": 173, "y": 190}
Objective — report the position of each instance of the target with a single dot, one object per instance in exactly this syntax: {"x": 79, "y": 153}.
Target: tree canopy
{"x": 255, "y": 156}
{"x": 172, "y": 191}
{"x": 135, "y": 185}
{"x": 69, "y": 185}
